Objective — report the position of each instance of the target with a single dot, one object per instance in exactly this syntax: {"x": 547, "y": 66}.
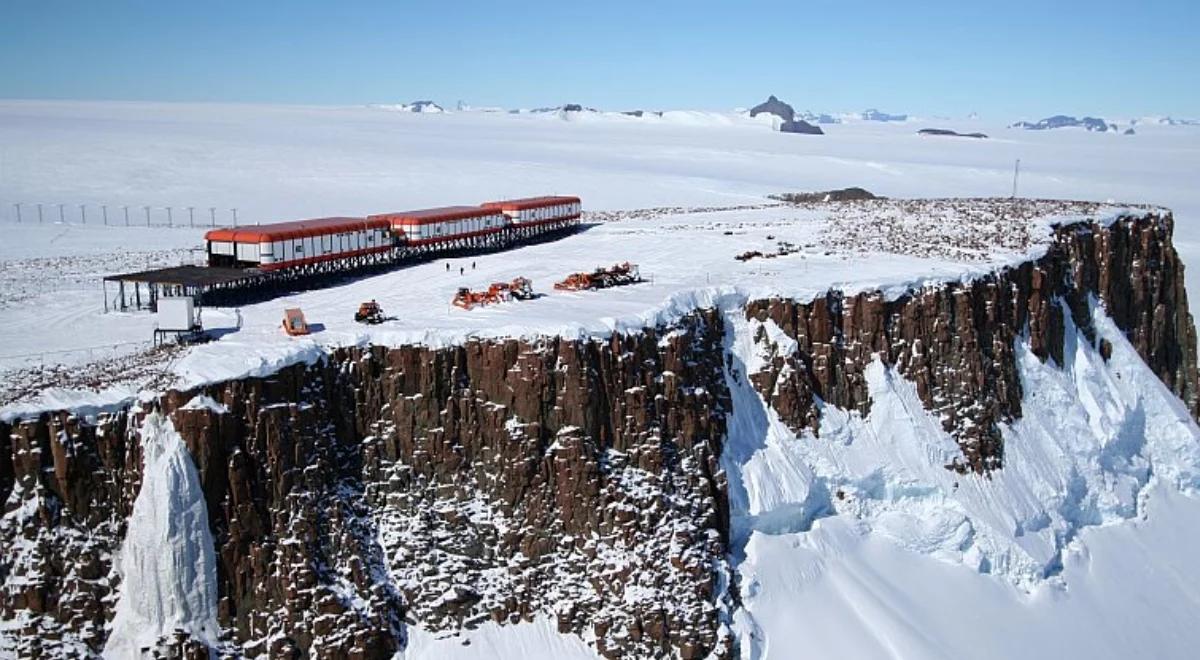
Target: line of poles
{"x": 26, "y": 211}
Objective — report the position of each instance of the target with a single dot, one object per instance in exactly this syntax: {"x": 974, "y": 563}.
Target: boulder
{"x": 800, "y": 126}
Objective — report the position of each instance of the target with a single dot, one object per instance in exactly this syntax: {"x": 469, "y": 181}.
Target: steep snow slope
{"x": 864, "y": 525}
{"x": 168, "y": 567}
{"x": 837, "y": 591}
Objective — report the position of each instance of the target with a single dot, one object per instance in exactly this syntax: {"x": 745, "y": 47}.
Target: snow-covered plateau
{"x": 944, "y": 424}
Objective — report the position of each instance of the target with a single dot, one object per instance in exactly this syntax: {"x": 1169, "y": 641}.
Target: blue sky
{"x": 1005, "y": 60}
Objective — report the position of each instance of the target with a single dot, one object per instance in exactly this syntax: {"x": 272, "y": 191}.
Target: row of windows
{"x": 317, "y": 246}
{"x": 547, "y": 212}
{"x": 453, "y": 227}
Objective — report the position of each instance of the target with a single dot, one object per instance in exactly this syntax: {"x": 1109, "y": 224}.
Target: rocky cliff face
{"x": 498, "y": 480}
{"x": 506, "y": 480}
{"x": 955, "y": 341}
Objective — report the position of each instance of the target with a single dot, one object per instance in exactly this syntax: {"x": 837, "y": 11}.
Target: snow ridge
{"x": 167, "y": 560}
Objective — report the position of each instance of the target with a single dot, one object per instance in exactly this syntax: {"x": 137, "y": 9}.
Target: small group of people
{"x": 461, "y": 269}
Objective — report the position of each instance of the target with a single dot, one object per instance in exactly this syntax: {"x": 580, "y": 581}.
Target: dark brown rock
{"x": 955, "y": 341}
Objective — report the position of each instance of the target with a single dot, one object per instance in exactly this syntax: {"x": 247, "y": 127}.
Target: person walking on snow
{"x": 447, "y": 266}
{"x": 461, "y": 270}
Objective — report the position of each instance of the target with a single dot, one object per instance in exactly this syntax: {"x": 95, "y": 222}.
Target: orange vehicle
{"x": 294, "y": 323}
{"x": 370, "y": 312}
{"x": 575, "y": 282}
{"x": 467, "y": 298}
{"x": 601, "y": 278}
{"x": 519, "y": 289}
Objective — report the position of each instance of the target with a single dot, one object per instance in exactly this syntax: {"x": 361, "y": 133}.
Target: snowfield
{"x": 857, "y": 545}
{"x": 838, "y": 591}
{"x": 803, "y": 251}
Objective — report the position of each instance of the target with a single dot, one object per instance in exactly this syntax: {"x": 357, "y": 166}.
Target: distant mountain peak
{"x": 423, "y": 106}
{"x": 773, "y": 106}
{"x": 1064, "y": 121}
{"x": 872, "y": 114}
{"x": 426, "y": 107}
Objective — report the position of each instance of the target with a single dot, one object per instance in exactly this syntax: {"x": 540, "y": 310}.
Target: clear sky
{"x": 1003, "y": 59}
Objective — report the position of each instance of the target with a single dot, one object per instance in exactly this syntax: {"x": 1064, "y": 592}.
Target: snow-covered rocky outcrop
{"x": 682, "y": 490}
{"x": 875, "y": 115}
{"x": 423, "y": 107}
{"x": 1063, "y": 121}
{"x": 788, "y": 120}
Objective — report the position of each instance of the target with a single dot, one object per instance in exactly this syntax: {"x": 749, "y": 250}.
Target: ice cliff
{"x": 167, "y": 564}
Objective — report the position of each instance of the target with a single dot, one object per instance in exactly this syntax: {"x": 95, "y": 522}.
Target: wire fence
{"x": 120, "y": 215}
{"x": 86, "y": 354}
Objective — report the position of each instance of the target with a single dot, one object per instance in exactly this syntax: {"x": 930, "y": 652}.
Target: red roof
{"x": 429, "y": 216}
{"x": 530, "y": 203}
{"x": 296, "y": 229}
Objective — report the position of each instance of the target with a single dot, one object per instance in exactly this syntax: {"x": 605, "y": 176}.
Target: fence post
{"x": 191, "y": 217}
{"x": 170, "y": 219}
{"x": 39, "y": 214}
{"x": 104, "y": 212}
{"x": 62, "y": 216}
{"x": 18, "y": 205}
{"x": 126, "y": 215}
{"x": 147, "y": 215}
{"x": 83, "y": 214}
